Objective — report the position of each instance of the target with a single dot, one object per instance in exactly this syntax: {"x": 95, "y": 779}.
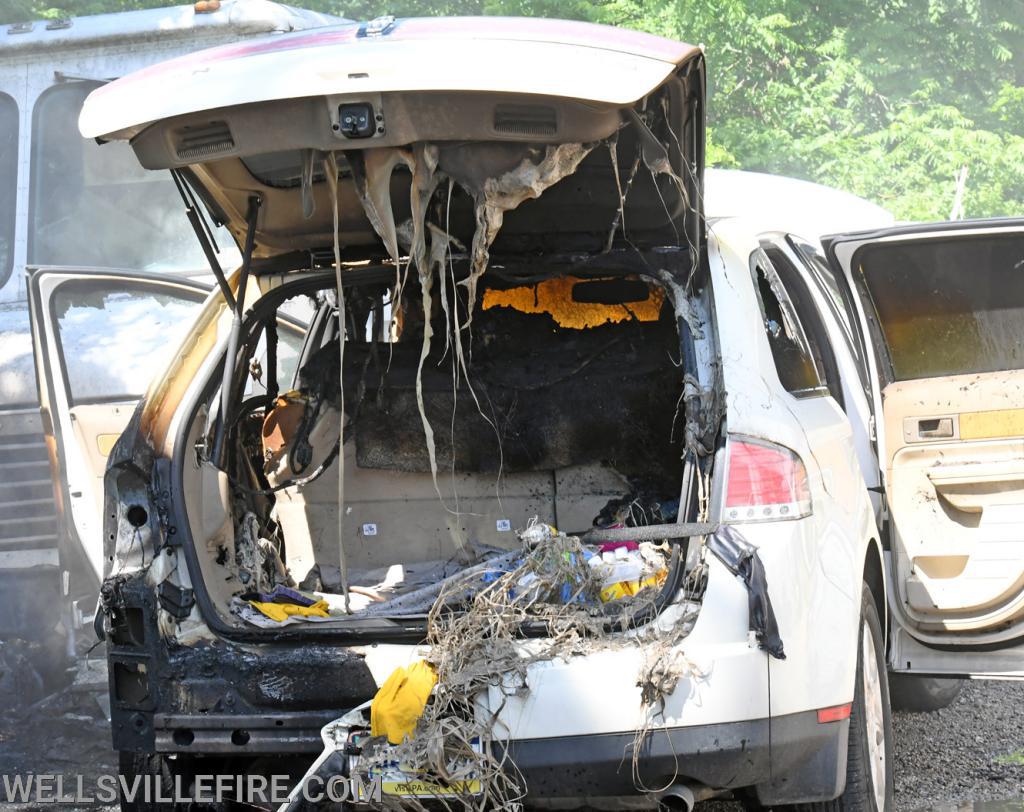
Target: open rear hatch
{"x": 516, "y": 250}
{"x": 488, "y": 94}
{"x": 945, "y": 304}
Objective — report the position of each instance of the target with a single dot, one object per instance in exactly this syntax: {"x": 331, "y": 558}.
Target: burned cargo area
{"x": 551, "y": 396}
{"x": 487, "y": 374}
{"x": 571, "y": 417}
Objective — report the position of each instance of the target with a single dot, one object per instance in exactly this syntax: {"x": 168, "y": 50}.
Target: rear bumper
{"x": 789, "y": 759}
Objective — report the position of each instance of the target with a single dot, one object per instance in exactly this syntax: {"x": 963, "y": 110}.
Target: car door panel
{"x": 957, "y": 500}
{"x": 98, "y": 338}
{"x": 822, "y": 567}
{"x": 944, "y": 305}
{"x": 96, "y": 428}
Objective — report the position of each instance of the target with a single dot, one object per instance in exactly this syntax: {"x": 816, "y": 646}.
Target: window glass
{"x": 791, "y": 350}
{"x": 94, "y": 205}
{"x": 17, "y": 368}
{"x": 948, "y": 306}
{"x": 806, "y": 310}
{"x": 289, "y": 349}
{"x": 837, "y": 294}
{"x": 115, "y": 335}
{"x": 8, "y": 182}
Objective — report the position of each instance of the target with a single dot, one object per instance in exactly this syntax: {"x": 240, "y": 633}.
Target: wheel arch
{"x": 874, "y": 577}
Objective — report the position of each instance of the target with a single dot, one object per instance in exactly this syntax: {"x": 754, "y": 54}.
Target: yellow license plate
{"x": 417, "y": 789}
{"x": 399, "y": 780}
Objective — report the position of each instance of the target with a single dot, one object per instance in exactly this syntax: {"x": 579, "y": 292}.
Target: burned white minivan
{"x": 495, "y": 472}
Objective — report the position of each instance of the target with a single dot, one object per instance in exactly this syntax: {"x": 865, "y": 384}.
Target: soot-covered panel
{"x": 549, "y": 398}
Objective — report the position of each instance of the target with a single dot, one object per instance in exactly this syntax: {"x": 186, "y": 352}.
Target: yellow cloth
{"x": 400, "y": 701}
{"x": 282, "y": 611}
{"x": 626, "y": 589}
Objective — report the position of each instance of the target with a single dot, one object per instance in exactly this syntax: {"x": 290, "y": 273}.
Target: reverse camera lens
{"x": 356, "y": 120}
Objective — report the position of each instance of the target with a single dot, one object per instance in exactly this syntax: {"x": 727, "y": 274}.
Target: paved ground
{"x": 960, "y": 757}
{"x": 972, "y": 751}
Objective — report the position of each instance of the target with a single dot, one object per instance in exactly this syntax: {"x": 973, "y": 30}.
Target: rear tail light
{"x": 767, "y": 482}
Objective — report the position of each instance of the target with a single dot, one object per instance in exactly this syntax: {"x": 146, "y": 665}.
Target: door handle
{"x": 933, "y": 427}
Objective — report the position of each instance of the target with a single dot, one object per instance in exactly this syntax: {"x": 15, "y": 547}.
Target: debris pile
{"x": 560, "y": 598}
{"x": 552, "y": 569}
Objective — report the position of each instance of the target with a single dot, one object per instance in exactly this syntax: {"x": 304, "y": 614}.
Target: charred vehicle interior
{"x": 568, "y": 422}
{"x": 525, "y": 345}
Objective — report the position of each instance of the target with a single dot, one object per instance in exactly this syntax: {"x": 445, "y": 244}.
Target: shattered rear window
{"x": 948, "y": 306}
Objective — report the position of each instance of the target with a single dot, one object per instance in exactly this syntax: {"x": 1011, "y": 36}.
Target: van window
{"x": 93, "y": 205}
{"x": 8, "y": 182}
{"x": 794, "y": 360}
{"x": 948, "y": 306}
{"x": 114, "y": 335}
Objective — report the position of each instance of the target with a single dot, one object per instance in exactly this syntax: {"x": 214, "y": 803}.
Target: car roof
{"x": 776, "y": 203}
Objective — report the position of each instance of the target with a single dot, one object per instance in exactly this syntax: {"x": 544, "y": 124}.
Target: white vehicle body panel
{"x": 805, "y": 208}
{"x": 724, "y": 679}
{"x": 814, "y": 565}
{"x": 779, "y": 207}
{"x": 546, "y": 63}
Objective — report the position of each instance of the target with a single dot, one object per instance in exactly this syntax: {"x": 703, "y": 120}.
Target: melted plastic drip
{"x": 331, "y": 170}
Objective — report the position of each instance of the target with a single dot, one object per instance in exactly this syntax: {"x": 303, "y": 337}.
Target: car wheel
{"x": 922, "y": 694}
{"x": 869, "y": 759}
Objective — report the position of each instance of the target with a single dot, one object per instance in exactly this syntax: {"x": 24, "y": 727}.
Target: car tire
{"x": 923, "y": 694}
{"x": 869, "y": 758}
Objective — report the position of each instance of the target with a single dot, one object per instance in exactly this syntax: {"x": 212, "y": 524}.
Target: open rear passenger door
{"x": 99, "y": 337}
{"x": 944, "y": 305}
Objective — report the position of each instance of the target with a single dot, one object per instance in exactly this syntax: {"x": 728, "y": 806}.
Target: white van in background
{"x": 66, "y": 201}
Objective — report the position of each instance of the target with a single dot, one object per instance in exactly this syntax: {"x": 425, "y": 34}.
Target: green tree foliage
{"x": 888, "y": 99}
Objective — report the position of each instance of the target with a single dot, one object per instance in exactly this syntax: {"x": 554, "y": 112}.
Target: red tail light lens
{"x": 767, "y": 482}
